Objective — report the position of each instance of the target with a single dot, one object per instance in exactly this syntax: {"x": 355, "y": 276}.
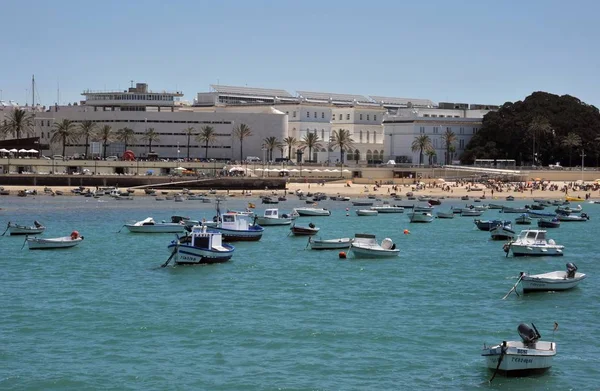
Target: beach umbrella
{"x": 441, "y": 180}
{"x": 13, "y": 150}
{"x": 296, "y": 170}
{"x": 316, "y": 170}
{"x": 3, "y": 150}
{"x": 284, "y": 170}
{"x": 23, "y": 151}
{"x": 344, "y": 170}
{"x": 33, "y": 151}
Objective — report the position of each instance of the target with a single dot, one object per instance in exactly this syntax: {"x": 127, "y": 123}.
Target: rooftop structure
{"x": 333, "y": 98}
{"x": 137, "y": 98}
{"x": 401, "y": 102}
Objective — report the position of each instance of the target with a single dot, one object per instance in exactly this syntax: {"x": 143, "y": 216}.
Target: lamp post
{"x": 263, "y": 149}
{"x": 582, "y": 158}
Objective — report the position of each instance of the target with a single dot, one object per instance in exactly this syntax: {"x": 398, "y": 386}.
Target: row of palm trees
{"x": 423, "y": 144}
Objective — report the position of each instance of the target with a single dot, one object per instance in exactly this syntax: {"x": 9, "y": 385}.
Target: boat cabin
{"x": 271, "y": 213}
{"x": 146, "y": 221}
{"x": 533, "y": 236}
{"x": 235, "y": 221}
{"x": 201, "y": 238}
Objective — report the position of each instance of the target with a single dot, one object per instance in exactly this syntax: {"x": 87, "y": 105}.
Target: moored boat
{"x": 520, "y": 358}
{"x": 366, "y": 246}
{"x": 524, "y": 219}
{"x": 16, "y": 229}
{"x": 298, "y": 230}
{"x": 148, "y": 225}
{"x": 466, "y": 212}
{"x": 388, "y": 209}
{"x": 54, "y": 243}
{"x": 549, "y": 223}
{"x": 564, "y": 217}
{"x": 533, "y": 242}
{"x": 502, "y": 232}
{"x": 367, "y": 212}
{"x": 553, "y": 281}
{"x": 272, "y": 217}
{"x": 329, "y": 244}
{"x": 445, "y": 215}
{"x": 486, "y": 225}
{"x": 237, "y": 227}
{"x": 200, "y": 247}
{"x": 312, "y": 211}
{"x": 420, "y": 217}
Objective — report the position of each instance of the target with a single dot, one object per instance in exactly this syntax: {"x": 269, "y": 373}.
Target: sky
{"x": 478, "y": 51}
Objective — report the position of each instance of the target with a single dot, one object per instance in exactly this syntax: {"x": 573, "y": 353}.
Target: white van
{"x": 251, "y": 159}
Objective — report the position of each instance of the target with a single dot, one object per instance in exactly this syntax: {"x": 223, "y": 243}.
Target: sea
{"x": 280, "y": 316}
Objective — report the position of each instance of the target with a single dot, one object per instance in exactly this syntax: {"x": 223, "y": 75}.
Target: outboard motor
{"x": 528, "y": 335}
{"x": 571, "y": 269}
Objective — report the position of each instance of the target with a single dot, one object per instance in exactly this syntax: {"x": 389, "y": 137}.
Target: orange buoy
{"x": 74, "y": 235}
{"x": 342, "y": 255}
{"x": 406, "y": 232}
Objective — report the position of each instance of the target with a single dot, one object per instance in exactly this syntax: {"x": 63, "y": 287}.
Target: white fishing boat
{"x": 422, "y": 208}
{"x": 16, "y": 229}
{"x": 148, "y": 225}
{"x": 388, "y": 209}
{"x": 237, "y": 227}
{"x": 468, "y": 212}
{"x": 445, "y": 215}
{"x": 524, "y": 219}
{"x": 54, "y": 243}
{"x": 312, "y": 211}
{"x": 567, "y": 218}
{"x": 366, "y": 212}
{"x": 200, "y": 247}
{"x": 420, "y": 217}
{"x": 329, "y": 244}
{"x": 366, "y": 246}
{"x": 533, "y": 242}
{"x": 553, "y": 281}
{"x": 272, "y": 217}
{"x": 520, "y": 358}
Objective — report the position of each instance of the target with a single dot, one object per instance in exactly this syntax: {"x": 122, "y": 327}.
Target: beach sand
{"x": 363, "y": 191}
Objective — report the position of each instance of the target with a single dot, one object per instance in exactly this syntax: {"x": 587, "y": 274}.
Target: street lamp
{"x": 582, "y": 157}
{"x": 263, "y": 149}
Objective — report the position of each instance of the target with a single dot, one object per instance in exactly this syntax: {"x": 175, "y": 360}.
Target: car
{"x": 112, "y": 158}
{"x": 57, "y": 157}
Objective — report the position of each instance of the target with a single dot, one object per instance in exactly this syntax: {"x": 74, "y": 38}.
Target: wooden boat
{"x": 200, "y": 247}
{"x": 329, "y": 244}
{"x": 524, "y": 219}
{"x": 272, "y": 217}
{"x": 366, "y": 246}
{"x": 304, "y": 231}
{"x": 148, "y": 225}
{"x": 549, "y": 223}
{"x": 16, "y": 229}
{"x": 552, "y": 281}
{"x": 533, "y": 242}
{"x": 502, "y": 232}
{"x": 367, "y": 212}
{"x": 445, "y": 215}
{"x": 520, "y": 358}
{"x": 54, "y": 243}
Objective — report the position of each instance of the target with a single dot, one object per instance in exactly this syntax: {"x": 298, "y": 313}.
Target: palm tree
{"x": 87, "y": 129}
{"x": 572, "y": 140}
{"x": 290, "y": 142}
{"x": 449, "y": 138}
{"x": 539, "y": 126}
{"x": 241, "y": 132}
{"x": 150, "y": 135}
{"x": 271, "y": 143}
{"x": 17, "y": 122}
{"x": 421, "y": 143}
{"x": 64, "y": 132}
{"x": 430, "y": 152}
{"x": 207, "y": 136}
{"x": 126, "y": 135}
{"x": 106, "y": 135}
{"x": 343, "y": 140}
{"x": 310, "y": 141}
{"x": 189, "y": 132}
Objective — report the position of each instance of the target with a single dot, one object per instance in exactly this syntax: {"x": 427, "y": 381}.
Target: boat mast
{"x": 32, "y": 91}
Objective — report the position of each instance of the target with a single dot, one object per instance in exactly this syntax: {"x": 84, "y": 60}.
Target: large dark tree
{"x": 509, "y": 132}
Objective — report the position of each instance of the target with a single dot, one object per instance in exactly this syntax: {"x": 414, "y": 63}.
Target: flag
{"x": 555, "y": 326}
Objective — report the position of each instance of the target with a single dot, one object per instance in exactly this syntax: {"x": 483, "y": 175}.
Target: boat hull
{"x": 330, "y": 244}
{"x": 304, "y": 231}
{"x": 232, "y": 235}
{"x": 367, "y": 212}
{"x": 362, "y": 252}
{"x": 530, "y": 250}
{"x": 189, "y": 255}
{"x": 420, "y": 217}
{"x": 541, "y": 283}
{"x": 520, "y": 360}
{"x": 166, "y": 228}
{"x": 267, "y": 221}
{"x": 53, "y": 243}
{"x": 25, "y": 230}
{"x": 308, "y": 212}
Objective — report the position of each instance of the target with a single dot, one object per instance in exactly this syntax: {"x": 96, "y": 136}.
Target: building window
{"x": 287, "y": 112}
{"x": 322, "y": 114}
{"x": 448, "y": 129}
{"x": 348, "y": 117}
{"x": 315, "y": 114}
{"x": 374, "y": 117}
{"x": 475, "y": 130}
{"x": 322, "y": 134}
{"x": 361, "y": 117}
{"x": 340, "y": 117}
{"x": 360, "y": 136}
{"x": 368, "y": 136}
{"x": 462, "y": 130}
{"x": 422, "y": 129}
{"x": 368, "y": 117}
{"x": 374, "y": 137}
{"x": 425, "y": 115}
{"x": 294, "y": 114}
{"x": 461, "y": 144}
{"x": 307, "y": 114}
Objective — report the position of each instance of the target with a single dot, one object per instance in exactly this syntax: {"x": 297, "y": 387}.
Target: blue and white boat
{"x": 238, "y": 227}
{"x": 200, "y": 247}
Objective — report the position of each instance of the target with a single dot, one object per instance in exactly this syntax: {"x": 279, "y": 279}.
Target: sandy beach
{"x": 355, "y": 190}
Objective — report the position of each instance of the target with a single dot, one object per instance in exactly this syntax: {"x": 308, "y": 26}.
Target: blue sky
{"x": 459, "y": 51}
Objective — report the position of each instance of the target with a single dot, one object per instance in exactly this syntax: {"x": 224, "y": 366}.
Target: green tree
{"x": 64, "y": 132}
{"x": 189, "y": 132}
{"x": 106, "y": 135}
{"x": 310, "y": 141}
{"x": 271, "y": 143}
{"x": 572, "y": 140}
{"x": 207, "y": 136}
{"x": 421, "y": 143}
{"x": 290, "y": 142}
{"x": 17, "y": 123}
{"x": 150, "y": 135}
{"x": 126, "y": 135}
{"x": 342, "y": 139}
{"x": 430, "y": 152}
{"x": 87, "y": 128}
{"x": 538, "y": 128}
{"x": 241, "y": 132}
{"x": 448, "y": 138}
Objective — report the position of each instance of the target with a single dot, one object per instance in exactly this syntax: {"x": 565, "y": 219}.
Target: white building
{"x": 140, "y": 109}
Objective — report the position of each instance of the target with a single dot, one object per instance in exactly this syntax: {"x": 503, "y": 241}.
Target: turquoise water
{"x": 103, "y": 316}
